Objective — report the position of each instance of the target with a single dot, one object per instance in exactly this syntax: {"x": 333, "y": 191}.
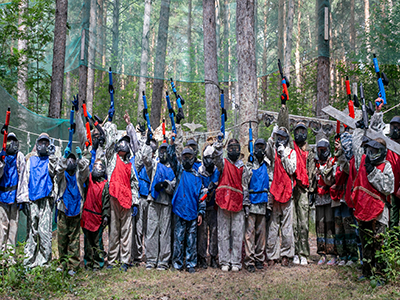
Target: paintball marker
{"x": 251, "y": 148}
{"x": 171, "y": 113}
{"x": 96, "y": 122}
{"x": 163, "y": 131}
{"x": 87, "y": 125}
{"x": 146, "y": 115}
{"x": 4, "y": 130}
{"x": 179, "y": 101}
{"x": 71, "y": 127}
{"x": 285, "y": 84}
{"x": 111, "y": 91}
{"x": 382, "y": 81}
{"x": 363, "y": 107}
{"x": 350, "y": 103}
{"x": 224, "y": 116}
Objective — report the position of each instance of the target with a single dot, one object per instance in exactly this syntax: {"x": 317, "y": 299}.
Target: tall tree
{"x": 83, "y": 53}
{"x": 247, "y": 68}
{"x": 281, "y": 22}
{"x": 367, "y": 22}
{"x": 145, "y": 56}
{"x": 115, "y": 35}
{"x": 91, "y": 54}
{"x": 297, "y": 53}
{"x": 189, "y": 34}
{"x": 22, "y": 91}
{"x": 159, "y": 65}
{"x": 352, "y": 26}
{"x": 289, "y": 33}
{"x": 57, "y": 78}
{"x": 210, "y": 65}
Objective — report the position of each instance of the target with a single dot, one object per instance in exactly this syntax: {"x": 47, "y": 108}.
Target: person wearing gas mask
{"x": 305, "y": 170}
{"x": 231, "y": 196}
{"x": 207, "y": 235}
{"x": 37, "y": 195}
{"x": 72, "y": 173}
{"x": 255, "y": 223}
{"x": 325, "y": 225}
{"x": 195, "y": 147}
{"x": 123, "y": 189}
{"x": 345, "y": 232}
{"x": 372, "y": 187}
{"x": 188, "y": 212}
{"x": 158, "y": 235}
{"x": 96, "y": 214}
{"x": 283, "y": 168}
{"x": 12, "y": 166}
{"x": 394, "y": 160}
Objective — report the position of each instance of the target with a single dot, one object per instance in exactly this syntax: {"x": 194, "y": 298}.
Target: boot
{"x": 213, "y": 263}
{"x": 202, "y": 263}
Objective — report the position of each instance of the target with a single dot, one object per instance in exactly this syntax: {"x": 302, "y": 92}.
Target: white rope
{"x": 391, "y": 108}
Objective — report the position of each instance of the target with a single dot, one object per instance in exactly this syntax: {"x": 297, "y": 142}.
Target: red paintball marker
{"x": 87, "y": 125}
{"x": 4, "y": 130}
{"x": 163, "y": 131}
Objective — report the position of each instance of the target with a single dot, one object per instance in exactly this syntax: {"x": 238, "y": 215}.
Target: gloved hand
{"x": 368, "y": 166}
{"x": 26, "y": 209}
{"x": 360, "y": 124}
{"x": 67, "y": 152}
{"x": 268, "y": 213}
{"x": 211, "y": 187}
{"x": 311, "y": 199}
{"x": 78, "y": 152}
{"x": 134, "y": 211}
{"x": 51, "y": 149}
{"x": 75, "y": 102}
{"x": 283, "y": 99}
{"x": 104, "y": 223}
{"x": 111, "y": 113}
{"x": 281, "y": 150}
{"x": 142, "y": 128}
{"x": 220, "y": 136}
{"x": 246, "y": 211}
{"x": 102, "y": 140}
{"x": 180, "y": 116}
{"x": 182, "y": 100}
{"x": 148, "y": 138}
{"x": 161, "y": 185}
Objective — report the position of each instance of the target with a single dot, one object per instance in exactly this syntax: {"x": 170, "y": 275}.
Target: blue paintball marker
{"x": 171, "y": 114}
{"x": 71, "y": 127}
{"x": 251, "y": 147}
{"x": 146, "y": 115}
{"x": 224, "y": 116}
{"x": 111, "y": 111}
{"x": 179, "y": 101}
{"x": 382, "y": 81}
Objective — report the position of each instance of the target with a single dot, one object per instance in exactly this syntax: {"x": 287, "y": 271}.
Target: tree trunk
{"x": 67, "y": 91}
{"x": 115, "y": 36}
{"x": 210, "y": 65}
{"x": 189, "y": 33}
{"x": 352, "y": 27}
{"x": 145, "y": 57}
{"x": 265, "y": 55}
{"x": 91, "y": 54}
{"x": 100, "y": 28}
{"x": 281, "y": 17}
{"x": 159, "y": 66}
{"x": 367, "y": 23}
{"x": 247, "y": 68}
{"x": 289, "y": 33}
{"x": 323, "y": 60}
{"x": 83, "y": 53}
{"x": 226, "y": 54}
{"x": 297, "y": 65}
{"x": 22, "y": 91}
{"x": 57, "y": 78}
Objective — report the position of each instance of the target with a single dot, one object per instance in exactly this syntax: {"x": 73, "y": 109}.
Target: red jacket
{"x": 120, "y": 183}
{"x": 229, "y": 193}
{"x": 281, "y": 186}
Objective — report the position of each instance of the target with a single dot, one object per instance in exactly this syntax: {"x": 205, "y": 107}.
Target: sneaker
{"x": 124, "y": 267}
{"x": 322, "y": 260}
{"x": 225, "y": 268}
{"x": 161, "y": 268}
{"x": 342, "y": 263}
{"x": 303, "y": 261}
{"x": 259, "y": 265}
{"x": 59, "y": 269}
{"x": 296, "y": 260}
{"x": 149, "y": 267}
{"x": 285, "y": 261}
{"x": 332, "y": 261}
{"x": 350, "y": 263}
{"x": 202, "y": 263}
{"x": 71, "y": 272}
{"x": 213, "y": 263}
{"x": 191, "y": 270}
{"x": 235, "y": 269}
{"x": 251, "y": 269}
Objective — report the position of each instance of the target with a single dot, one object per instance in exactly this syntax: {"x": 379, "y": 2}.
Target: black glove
{"x": 180, "y": 116}
{"x": 283, "y": 99}
{"x": 268, "y": 215}
{"x": 360, "y": 124}
{"x": 148, "y": 138}
{"x": 368, "y": 166}
{"x": 161, "y": 185}
{"x": 311, "y": 199}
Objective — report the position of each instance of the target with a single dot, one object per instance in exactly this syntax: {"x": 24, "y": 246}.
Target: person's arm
{"x": 289, "y": 160}
{"x": 80, "y": 129}
{"x": 327, "y": 173}
{"x": 23, "y": 185}
{"x": 217, "y": 153}
{"x": 83, "y": 166}
{"x": 131, "y": 132}
{"x": 106, "y": 211}
{"x": 245, "y": 185}
{"x": 358, "y": 151}
{"x": 382, "y": 181}
{"x": 376, "y": 122}
{"x": 134, "y": 186}
{"x": 170, "y": 189}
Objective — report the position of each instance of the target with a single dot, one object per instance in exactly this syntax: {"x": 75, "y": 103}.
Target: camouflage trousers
{"x": 68, "y": 233}
{"x": 371, "y": 231}
{"x": 207, "y": 234}
{"x": 94, "y": 249}
{"x": 254, "y": 239}
{"x": 394, "y": 212}
{"x": 325, "y": 227}
{"x": 9, "y": 215}
{"x": 120, "y": 240}
{"x": 38, "y": 243}
{"x": 139, "y": 227}
{"x": 158, "y": 236}
{"x": 230, "y": 237}
{"x": 301, "y": 212}
{"x": 345, "y": 234}
{"x": 281, "y": 218}
{"x": 185, "y": 241}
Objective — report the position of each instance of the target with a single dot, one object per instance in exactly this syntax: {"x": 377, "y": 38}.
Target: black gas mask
{"x": 42, "y": 145}
{"x": 98, "y": 171}
{"x": 281, "y": 139}
{"x": 98, "y": 140}
{"x": 233, "y": 151}
{"x": 71, "y": 165}
{"x": 394, "y": 131}
{"x": 162, "y": 153}
{"x": 188, "y": 158}
{"x": 300, "y": 134}
{"x": 323, "y": 150}
{"x": 376, "y": 152}
{"x": 259, "y": 151}
{"x": 12, "y": 144}
{"x": 208, "y": 163}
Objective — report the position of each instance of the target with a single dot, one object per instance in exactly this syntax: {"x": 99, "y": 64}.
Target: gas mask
{"x": 300, "y": 134}
{"x": 234, "y": 151}
{"x": 394, "y": 131}
{"x": 260, "y": 146}
{"x": 208, "y": 163}
{"x": 41, "y": 146}
{"x": 12, "y": 147}
{"x": 122, "y": 146}
{"x": 282, "y": 138}
{"x": 153, "y": 145}
{"x": 71, "y": 166}
{"x": 376, "y": 152}
{"x": 193, "y": 144}
{"x": 188, "y": 158}
{"x": 323, "y": 150}
{"x": 162, "y": 155}
{"x": 99, "y": 170}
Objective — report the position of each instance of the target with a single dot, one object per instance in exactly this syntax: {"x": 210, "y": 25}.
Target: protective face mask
{"x": 12, "y": 147}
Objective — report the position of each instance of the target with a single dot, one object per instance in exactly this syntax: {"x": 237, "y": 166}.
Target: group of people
{"x": 165, "y": 207}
